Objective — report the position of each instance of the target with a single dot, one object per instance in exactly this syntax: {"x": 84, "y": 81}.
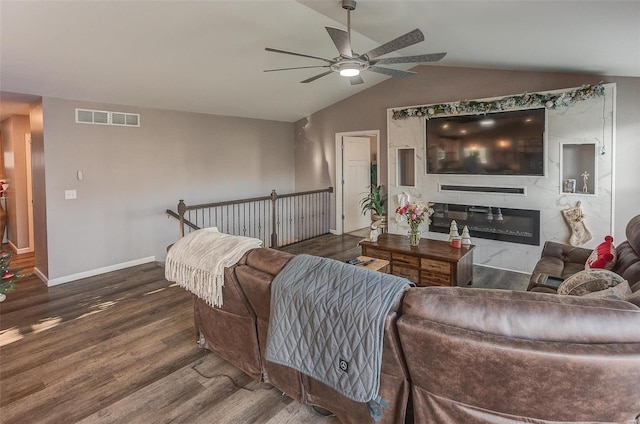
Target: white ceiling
{"x": 209, "y": 56}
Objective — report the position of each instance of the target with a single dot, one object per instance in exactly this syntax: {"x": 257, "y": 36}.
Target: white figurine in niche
{"x": 585, "y": 177}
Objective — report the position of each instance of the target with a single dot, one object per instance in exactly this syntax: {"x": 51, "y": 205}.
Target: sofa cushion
{"x": 603, "y": 256}
{"x": 620, "y": 291}
{"x": 633, "y": 233}
{"x": 585, "y": 282}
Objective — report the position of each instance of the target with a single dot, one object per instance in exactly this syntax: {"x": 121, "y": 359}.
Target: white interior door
{"x": 356, "y": 164}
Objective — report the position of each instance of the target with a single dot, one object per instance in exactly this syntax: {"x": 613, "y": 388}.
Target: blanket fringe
{"x": 204, "y": 284}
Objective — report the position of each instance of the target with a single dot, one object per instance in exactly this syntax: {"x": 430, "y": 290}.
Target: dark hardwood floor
{"x": 346, "y": 246}
{"x": 120, "y": 348}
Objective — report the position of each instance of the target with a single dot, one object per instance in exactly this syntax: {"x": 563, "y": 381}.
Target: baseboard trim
{"x": 24, "y": 250}
{"x": 503, "y": 269}
{"x": 19, "y": 251}
{"x": 98, "y": 271}
{"x": 40, "y": 275}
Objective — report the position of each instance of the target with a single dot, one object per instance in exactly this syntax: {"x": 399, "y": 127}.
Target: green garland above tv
{"x": 522, "y": 101}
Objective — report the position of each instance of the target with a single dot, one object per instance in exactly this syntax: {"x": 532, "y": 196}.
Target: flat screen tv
{"x": 502, "y": 143}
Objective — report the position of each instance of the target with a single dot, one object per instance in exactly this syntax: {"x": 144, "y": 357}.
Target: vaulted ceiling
{"x": 209, "y": 56}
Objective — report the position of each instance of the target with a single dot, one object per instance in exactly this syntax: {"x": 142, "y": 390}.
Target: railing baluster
{"x": 278, "y": 219}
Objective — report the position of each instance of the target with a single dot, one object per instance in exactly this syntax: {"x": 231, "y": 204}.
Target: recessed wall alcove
{"x": 588, "y": 123}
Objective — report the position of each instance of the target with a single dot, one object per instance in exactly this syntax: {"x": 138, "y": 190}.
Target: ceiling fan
{"x": 350, "y": 64}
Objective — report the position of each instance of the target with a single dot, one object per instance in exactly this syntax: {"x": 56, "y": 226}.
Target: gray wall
{"x": 132, "y": 175}
{"x": 315, "y": 135}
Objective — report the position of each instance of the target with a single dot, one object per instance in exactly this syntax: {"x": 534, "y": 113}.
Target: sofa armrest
{"x": 565, "y": 252}
{"x": 525, "y": 315}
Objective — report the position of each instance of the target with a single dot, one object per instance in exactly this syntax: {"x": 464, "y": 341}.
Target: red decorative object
{"x": 603, "y": 256}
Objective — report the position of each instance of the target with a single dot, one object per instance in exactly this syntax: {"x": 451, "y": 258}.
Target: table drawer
{"x": 399, "y": 258}
{"x": 408, "y": 273}
{"x": 375, "y": 253}
{"x": 432, "y": 279}
{"x": 431, "y": 265}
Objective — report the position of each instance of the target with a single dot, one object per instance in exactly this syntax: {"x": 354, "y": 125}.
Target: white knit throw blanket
{"x": 197, "y": 261}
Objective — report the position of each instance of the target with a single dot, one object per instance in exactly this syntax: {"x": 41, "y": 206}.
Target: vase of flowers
{"x": 414, "y": 237}
{"x": 415, "y": 213}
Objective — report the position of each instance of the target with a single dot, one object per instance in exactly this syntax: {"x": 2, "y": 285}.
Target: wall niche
{"x": 578, "y": 168}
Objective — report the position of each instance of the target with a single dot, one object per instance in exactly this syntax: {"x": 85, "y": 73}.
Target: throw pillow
{"x": 603, "y": 256}
{"x": 620, "y": 291}
{"x": 585, "y": 282}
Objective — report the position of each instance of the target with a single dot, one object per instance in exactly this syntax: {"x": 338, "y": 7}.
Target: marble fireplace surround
{"x": 587, "y": 121}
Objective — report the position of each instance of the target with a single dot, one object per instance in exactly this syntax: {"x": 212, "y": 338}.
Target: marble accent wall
{"x": 589, "y": 121}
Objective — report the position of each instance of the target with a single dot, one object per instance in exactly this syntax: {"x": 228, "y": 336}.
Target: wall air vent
{"x": 104, "y": 117}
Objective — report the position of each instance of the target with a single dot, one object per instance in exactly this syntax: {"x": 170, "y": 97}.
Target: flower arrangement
{"x": 8, "y": 276}
{"x": 415, "y": 213}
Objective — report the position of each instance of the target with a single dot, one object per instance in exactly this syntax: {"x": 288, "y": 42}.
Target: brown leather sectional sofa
{"x": 238, "y": 333}
{"x": 461, "y": 355}
{"x": 562, "y": 260}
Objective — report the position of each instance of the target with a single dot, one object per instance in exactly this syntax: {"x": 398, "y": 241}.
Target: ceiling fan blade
{"x": 409, "y": 39}
{"x": 269, "y": 49}
{"x": 433, "y": 57}
{"x": 391, "y": 72}
{"x": 356, "y": 80}
{"x": 316, "y": 77}
{"x": 298, "y": 67}
{"x": 340, "y": 38}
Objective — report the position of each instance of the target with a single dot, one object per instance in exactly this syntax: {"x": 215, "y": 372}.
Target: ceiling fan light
{"x": 349, "y": 72}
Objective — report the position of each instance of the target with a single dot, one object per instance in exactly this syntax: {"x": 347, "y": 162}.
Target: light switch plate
{"x": 70, "y": 194}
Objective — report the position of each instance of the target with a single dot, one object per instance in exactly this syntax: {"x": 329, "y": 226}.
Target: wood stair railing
{"x": 278, "y": 219}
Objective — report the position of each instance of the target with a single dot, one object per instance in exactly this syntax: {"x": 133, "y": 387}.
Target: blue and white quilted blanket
{"x": 327, "y": 321}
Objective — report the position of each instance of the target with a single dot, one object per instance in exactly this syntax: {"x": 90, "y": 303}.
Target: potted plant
{"x": 374, "y": 202}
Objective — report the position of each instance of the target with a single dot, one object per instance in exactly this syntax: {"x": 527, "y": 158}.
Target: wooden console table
{"x": 431, "y": 263}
